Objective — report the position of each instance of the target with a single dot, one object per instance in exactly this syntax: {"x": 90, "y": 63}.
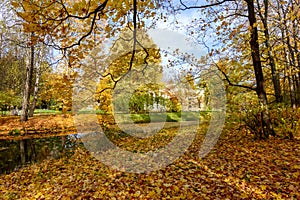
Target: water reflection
{"x": 17, "y": 153}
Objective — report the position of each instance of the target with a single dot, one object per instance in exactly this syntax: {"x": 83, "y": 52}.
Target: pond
{"x": 15, "y": 154}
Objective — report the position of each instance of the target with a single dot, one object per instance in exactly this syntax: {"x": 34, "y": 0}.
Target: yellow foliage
{"x": 146, "y": 59}
{"x": 69, "y": 22}
{"x": 57, "y": 87}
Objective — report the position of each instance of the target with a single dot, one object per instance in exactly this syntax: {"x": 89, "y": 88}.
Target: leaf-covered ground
{"x": 43, "y": 124}
{"x": 237, "y": 168}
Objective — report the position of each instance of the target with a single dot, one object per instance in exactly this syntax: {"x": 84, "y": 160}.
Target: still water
{"x": 15, "y": 154}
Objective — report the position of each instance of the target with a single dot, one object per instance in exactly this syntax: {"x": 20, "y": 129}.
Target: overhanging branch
{"x": 185, "y": 7}
{"x": 229, "y": 81}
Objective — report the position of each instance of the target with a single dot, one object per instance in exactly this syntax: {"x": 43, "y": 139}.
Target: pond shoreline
{"x": 47, "y": 125}
{"x": 50, "y": 125}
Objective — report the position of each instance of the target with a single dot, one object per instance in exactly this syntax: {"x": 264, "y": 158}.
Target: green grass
{"x": 36, "y": 111}
{"x": 91, "y": 112}
{"x": 136, "y": 118}
{"x": 158, "y": 117}
{"x": 4, "y": 112}
{"x": 42, "y": 111}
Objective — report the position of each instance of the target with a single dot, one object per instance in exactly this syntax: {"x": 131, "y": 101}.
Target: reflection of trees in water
{"x": 17, "y": 153}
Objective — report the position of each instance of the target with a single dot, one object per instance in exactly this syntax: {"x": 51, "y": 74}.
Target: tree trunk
{"x": 36, "y": 87}
{"x": 28, "y": 80}
{"x": 287, "y": 60}
{"x": 295, "y": 39}
{"x": 260, "y": 88}
{"x": 275, "y": 75}
{"x": 1, "y": 41}
{"x": 291, "y": 60}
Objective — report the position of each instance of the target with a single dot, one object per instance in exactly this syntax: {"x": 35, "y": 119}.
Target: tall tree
{"x": 260, "y": 82}
{"x": 263, "y": 13}
{"x": 28, "y": 80}
{"x": 12, "y": 58}
{"x": 286, "y": 33}
{"x": 245, "y": 9}
{"x": 40, "y": 64}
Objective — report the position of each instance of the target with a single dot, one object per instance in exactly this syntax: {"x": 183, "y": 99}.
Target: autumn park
{"x": 150, "y": 99}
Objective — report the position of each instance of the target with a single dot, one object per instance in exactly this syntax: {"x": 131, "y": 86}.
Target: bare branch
{"x": 229, "y": 81}
{"x": 185, "y": 7}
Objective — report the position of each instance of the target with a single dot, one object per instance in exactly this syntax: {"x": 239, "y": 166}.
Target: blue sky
{"x": 171, "y": 35}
